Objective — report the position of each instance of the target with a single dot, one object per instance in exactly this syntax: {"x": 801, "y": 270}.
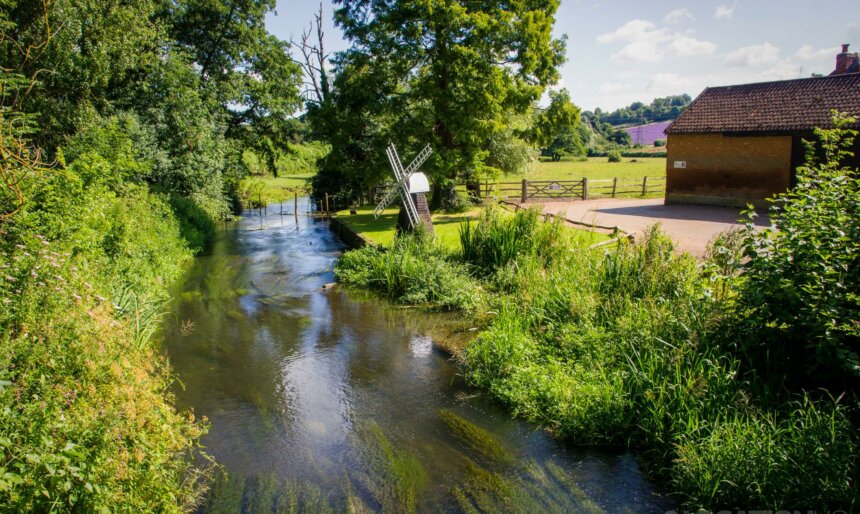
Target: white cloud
{"x": 644, "y": 42}
{"x": 753, "y": 56}
{"x": 614, "y": 87}
{"x": 684, "y": 45}
{"x": 725, "y": 11}
{"x": 807, "y": 52}
{"x": 633, "y": 30}
{"x": 661, "y": 81}
{"x": 678, "y": 15}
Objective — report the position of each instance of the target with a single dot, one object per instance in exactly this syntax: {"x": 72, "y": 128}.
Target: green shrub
{"x": 613, "y": 155}
{"x": 804, "y": 460}
{"x": 87, "y": 424}
{"x": 800, "y": 296}
{"x": 412, "y": 271}
{"x": 499, "y": 238}
{"x": 454, "y": 200}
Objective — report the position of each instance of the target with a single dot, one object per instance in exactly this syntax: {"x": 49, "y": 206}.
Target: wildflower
{"x": 20, "y": 247}
{"x": 9, "y": 278}
{"x": 7, "y": 301}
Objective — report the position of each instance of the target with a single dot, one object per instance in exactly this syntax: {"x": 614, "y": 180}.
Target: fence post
{"x": 585, "y": 188}
{"x": 644, "y": 185}
{"x": 614, "y": 186}
{"x": 525, "y": 193}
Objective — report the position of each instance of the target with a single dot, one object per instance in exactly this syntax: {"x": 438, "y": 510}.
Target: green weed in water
{"x": 234, "y": 494}
{"x": 395, "y": 476}
{"x": 483, "y": 442}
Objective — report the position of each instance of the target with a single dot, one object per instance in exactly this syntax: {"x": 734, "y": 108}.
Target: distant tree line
{"x": 637, "y": 113}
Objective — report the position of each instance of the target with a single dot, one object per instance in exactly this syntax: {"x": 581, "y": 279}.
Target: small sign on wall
{"x": 680, "y": 164}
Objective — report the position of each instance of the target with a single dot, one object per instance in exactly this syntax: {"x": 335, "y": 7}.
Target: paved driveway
{"x": 691, "y": 226}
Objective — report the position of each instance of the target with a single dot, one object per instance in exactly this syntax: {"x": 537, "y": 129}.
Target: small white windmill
{"x": 411, "y": 184}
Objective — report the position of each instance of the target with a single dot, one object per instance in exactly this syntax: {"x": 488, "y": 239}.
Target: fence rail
{"x": 584, "y": 189}
{"x": 522, "y": 191}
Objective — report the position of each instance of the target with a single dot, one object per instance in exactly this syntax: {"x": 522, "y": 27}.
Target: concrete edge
{"x": 353, "y": 239}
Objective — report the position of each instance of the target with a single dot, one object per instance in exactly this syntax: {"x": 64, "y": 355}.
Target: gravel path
{"x": 691, "y": 226}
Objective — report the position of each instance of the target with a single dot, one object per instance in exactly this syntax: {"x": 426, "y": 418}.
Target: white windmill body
{"x": 410, "y": 185}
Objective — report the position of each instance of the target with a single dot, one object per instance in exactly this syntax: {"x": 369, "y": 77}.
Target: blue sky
{"x": 622, "y": 51}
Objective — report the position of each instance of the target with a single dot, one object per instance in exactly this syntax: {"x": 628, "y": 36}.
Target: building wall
{"x": 727, "y": 170}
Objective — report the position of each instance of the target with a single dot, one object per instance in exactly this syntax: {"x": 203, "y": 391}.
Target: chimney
{"x": 846, "y": 62}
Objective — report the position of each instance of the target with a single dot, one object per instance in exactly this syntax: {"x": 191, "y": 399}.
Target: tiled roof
{"x": 786, "y": 105}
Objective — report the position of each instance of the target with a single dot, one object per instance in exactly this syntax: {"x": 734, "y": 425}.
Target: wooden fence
{"x": 584, "y": 189}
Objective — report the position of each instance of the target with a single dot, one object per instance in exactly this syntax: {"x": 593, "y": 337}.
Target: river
{"x": 324, "y": 399}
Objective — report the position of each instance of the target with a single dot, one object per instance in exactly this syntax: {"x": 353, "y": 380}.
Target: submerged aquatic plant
{"x": 479, "y": 439}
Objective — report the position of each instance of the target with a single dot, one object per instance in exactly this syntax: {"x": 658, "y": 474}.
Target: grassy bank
{"x": 626, "y": 346}
{"x": 87, "y": 424}
{"x": 382, "y": 230}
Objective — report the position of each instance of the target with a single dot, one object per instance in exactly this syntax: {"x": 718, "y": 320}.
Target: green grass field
{"x": 598, "y": 170}
{"x": 382, "y": 230}
{"x": 447, "y": 226}
{"x": 595, "y": 168}
{"x": 273, "y": 189}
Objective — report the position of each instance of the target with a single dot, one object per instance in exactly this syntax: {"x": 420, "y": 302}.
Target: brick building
{"x": 741, "y": 144}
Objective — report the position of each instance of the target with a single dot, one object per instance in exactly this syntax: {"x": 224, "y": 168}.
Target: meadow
{"x": 595, "y": 168}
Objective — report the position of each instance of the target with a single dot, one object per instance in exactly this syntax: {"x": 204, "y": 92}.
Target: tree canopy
{"x": 660, "y": 109}
{"x": 445, "y": 71}
{"x": 198, "y": 78}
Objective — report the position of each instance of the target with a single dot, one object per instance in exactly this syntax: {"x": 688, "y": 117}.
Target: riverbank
{"x": 363, "y": 225}
{"x": 87, "y": 424}
{"x": 625, "y": 346}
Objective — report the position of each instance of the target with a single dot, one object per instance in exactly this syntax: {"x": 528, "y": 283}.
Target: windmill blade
{"x": 419, "y": 160}
{"x": 386, "y": 201}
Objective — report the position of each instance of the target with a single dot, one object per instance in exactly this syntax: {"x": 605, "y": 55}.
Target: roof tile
{"x": 786, "y": 105}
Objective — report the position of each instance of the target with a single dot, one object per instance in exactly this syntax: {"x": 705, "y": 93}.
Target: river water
{"x": 324, "y": 399}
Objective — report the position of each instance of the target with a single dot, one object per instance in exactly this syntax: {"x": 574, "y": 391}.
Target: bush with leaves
{"x": 800, "y": 292}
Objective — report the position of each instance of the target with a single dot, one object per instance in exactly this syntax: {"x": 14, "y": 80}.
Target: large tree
{"x": 556, "y": 129}
{"x": 446, "y": 71}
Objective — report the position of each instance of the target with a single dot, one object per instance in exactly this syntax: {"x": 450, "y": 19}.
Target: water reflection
{"x": 336, "y": 400}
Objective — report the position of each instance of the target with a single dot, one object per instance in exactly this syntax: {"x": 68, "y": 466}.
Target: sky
{"x": 622, "y": 51}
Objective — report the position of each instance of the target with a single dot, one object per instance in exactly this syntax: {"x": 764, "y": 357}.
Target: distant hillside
{"x": 638, "y": 113}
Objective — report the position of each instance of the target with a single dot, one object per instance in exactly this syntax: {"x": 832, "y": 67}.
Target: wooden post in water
{"x": 614, "y": 186}
{"x": 525, "y": 193}
{"x": 326, "y": 204}
{"x": 585, "y": 188}
{"x": 296, "y": 205}
{"x": 644, "y": 185}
